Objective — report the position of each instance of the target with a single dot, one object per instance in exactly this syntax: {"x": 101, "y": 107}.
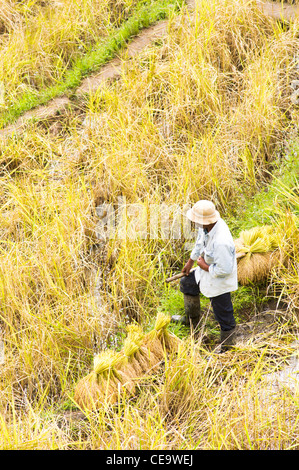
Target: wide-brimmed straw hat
{"x": 203, "y": 212}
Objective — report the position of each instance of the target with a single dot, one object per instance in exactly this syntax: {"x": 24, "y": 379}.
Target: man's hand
{"x": 202, "y": 264}
{"x": 188, "y": 266}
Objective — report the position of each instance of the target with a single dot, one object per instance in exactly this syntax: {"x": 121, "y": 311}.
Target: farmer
{"x": 216, "y": 274}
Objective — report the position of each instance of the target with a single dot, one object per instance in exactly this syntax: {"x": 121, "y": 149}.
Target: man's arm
{"x": 188, "y": 266}
{"x": 202, "y": 264}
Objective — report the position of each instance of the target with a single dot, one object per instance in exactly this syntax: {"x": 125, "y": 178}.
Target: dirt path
{"x": 279, "y": 11}
{"x": 112, "y": 70}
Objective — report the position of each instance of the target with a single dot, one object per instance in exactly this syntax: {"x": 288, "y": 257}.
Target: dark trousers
{"x": 221, "y": 304}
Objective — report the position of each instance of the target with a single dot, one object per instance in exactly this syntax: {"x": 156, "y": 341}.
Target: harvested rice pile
{"x": 257, "y": 253}
{"x": 116, "y": 373}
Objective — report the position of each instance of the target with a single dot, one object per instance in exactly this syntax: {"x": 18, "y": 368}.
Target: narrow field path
{"x": 112, "y": 69}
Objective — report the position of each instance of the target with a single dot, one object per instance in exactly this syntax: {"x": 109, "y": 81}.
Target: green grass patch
{"x": 264, "y": 206}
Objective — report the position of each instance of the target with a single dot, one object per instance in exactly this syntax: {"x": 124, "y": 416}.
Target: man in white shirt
{"x": 216, "y": 274}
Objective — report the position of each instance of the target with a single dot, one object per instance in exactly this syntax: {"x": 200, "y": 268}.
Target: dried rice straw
{"x": 117, "y": 372}
{"x": 257, "y": 250}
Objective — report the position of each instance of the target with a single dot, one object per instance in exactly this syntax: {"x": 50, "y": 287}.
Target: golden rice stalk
{"x": 142, "y": 354}
{"x": 130, "y": 349}
{"x": 258, "y": 246}
{"x": 133, "y": 341}
{"x": 127, "y": 379}
{"x": 257, "y": 240}
{"x": 154, "y": 354}
{"x": 86, "y": 392}
{"x": 90, "y": 393}
{"x": 162, "y": 321}
{"x": 142, "y": 359}
{"x": 257, "y": 267}
{"x": 103, "y": 388}
{"x": 106, "y": 361}
{"x": 160, "y": 336}
{"x": 171, "y": 342}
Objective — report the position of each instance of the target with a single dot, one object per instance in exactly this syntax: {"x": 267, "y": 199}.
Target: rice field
{"x": 204, "y": 113}
{"x": 40, "y": 40}
{"x": 46, "y": 48}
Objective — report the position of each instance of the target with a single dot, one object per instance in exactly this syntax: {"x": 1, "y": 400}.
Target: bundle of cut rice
{"x": 257, "y": 253}
{"x": 116, "y": 374}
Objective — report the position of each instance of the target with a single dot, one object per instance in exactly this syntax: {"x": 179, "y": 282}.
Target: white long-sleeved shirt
{"x": 218, "y": 250}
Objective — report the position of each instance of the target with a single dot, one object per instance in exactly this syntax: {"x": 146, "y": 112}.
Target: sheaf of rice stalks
{"x": 258, "y": 248}
{"x": 117, "y": 372}
{"x": 257, "y": 240}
